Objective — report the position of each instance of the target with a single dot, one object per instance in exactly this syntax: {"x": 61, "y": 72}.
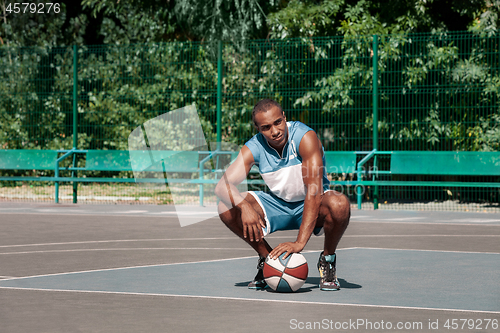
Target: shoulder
{"x": 309, "y": 143}
{"x": 298, "y": 126}
{"x": 255, "y": 141}
{"x": 255, "y": 145}
{"x": 298, "y": 130}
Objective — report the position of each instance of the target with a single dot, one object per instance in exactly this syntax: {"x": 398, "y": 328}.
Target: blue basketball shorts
{"x": 280, "y": 214}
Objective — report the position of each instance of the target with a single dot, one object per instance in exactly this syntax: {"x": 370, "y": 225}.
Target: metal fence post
{"x": 219, "y": 113}
{"x": 219, "y": 93}
{"x": 375, "y": 114}
{"x": 75, "y": 118}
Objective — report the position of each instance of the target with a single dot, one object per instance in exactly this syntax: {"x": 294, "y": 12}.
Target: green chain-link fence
{"x": 435, "y": 92}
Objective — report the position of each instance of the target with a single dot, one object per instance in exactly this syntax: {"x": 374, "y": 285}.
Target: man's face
{"x": 272, "y": 124}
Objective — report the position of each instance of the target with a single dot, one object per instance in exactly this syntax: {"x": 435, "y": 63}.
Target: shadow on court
{"x": 311, "y": 283}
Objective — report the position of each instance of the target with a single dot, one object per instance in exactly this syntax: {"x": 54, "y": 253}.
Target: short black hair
{"x": 263, "y": 106}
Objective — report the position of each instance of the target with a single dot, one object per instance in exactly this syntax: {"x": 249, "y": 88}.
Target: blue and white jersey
{"x": 283, "y": 174}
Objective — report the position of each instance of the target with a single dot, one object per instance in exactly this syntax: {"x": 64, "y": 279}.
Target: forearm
{"x": 251, "y": 222}
{"x": 229, "y": 194}
{"x": 226, "y": 189}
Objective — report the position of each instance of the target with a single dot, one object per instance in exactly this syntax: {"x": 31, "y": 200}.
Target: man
{"x": 291, "y": 161}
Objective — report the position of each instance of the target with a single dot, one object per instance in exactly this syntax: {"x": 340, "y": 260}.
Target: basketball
{"x": 286, "y": 275}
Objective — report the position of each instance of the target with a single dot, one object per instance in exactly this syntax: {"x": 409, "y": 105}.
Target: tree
{"x": 132, "y": 21}
{"x": 428, "y": 66}
{"x": 331, "y": 75}
{"x": 226, "y": 20}
{"x": 309, "y": 18}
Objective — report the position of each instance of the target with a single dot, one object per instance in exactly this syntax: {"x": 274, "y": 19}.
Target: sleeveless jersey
{"x": 283, "y": 174}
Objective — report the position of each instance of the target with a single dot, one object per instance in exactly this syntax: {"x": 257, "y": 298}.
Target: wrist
{"x": 243, "y": 205}
{"x": 301, "y": 244}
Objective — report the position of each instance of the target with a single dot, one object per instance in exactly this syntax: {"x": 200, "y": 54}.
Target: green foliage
{"x": 439, "y": 68}
{"x": 227, "y": 20}
{"x": 130, "y": 21}
{"x": 303, "y": 18}
{"x": 26, "y": 28}
{"x": 132, "y": 84}
{"x": 486, "y": 20}
{"x": 33, "y": 114}
{"x": 437, "y": 90}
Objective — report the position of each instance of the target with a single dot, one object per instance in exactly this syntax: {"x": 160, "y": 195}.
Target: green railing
{"x": 422, "y": 92}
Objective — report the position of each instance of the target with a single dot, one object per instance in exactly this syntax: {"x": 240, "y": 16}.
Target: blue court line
{"x": 369, "y": 277}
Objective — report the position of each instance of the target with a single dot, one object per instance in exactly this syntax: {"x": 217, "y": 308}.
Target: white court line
{"x": 423, "y": 235}
{"x": 131, "y": 240}
{"x": 237, "y": 298}
{"x": 53, "y": 210}
{"x": 87, "y": 214}
{"x": 234, "y": 258}
{"x": 157, "y": 215}
{"x": 128, "y": 249}
{"x": 438, "y": 222}
{"x": 115, "y": 213}
{"x": 181, "y": 213}
{"x": 405, "y": 218}
{"x": 222, "y": 238}
{"x": 388, "y": 219}
{"x": 257, "y": 300}
{"x": 155, "y": 265}
{"x": 471, "y": 221}
{"x": 422, "y": 218}
{"x": 465, "y": 219}
{"x": 203, "y": 248}
{"x": 425, "y": 218}
{"x": 113, "y": 241}
{"x": 421, "y": 250}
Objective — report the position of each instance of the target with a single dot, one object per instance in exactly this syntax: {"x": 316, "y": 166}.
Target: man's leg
{"x": 334, "y": 217}
{"x": 232, "y": 219}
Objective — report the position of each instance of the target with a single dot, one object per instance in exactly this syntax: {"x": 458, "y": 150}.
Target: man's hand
{"x": 288, "y": 247}
{"x": 252, "y": 224}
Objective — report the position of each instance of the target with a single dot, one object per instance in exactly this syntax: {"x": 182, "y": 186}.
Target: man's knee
{"x": 339, "y": 206}
{"x": 343, "y": 204}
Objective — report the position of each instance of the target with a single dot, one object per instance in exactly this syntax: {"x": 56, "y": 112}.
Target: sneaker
{"x": 328, "y": 272}
{"x": 258, "y": 281}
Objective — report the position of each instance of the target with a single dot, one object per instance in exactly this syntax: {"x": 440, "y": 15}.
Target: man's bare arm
{"x": 312, "y": 173}
{"x": 235, "y": 174}
{"x": 310, "y": 150}
{"x": 229, "y": 194}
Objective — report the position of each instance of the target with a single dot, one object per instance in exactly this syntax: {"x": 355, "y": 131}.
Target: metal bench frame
{"x": 402, "y": 162}
{"x": 439, "y": 163}
{"x": 42, "y": 164}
